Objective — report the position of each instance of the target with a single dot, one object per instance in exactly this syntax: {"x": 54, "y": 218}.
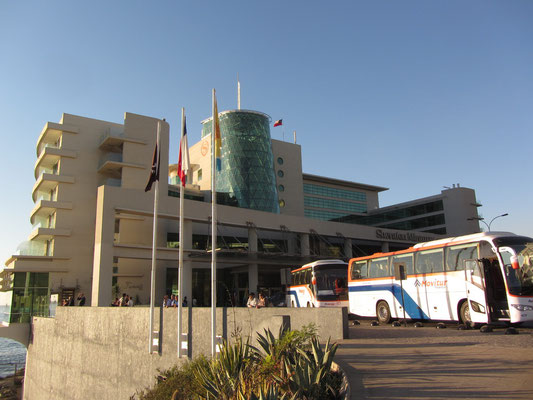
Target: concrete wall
{"x": 102, "y": 353}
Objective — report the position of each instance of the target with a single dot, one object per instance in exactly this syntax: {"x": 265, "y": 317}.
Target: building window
{"x": 325, "y": 215}
{"x": 282, "y": 203}
{"x": 173, "y": 240}
{"x": 199, "y": 176}
{"x": 331, "y": 204}
{"x": 281, "y": 188}
{"x": 280, "y": 161}
{"x": 309, "y": 188}
{"x": 280, "y": 173}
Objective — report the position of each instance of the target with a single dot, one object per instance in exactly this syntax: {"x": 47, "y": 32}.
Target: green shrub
{"x": 290, "y": 366}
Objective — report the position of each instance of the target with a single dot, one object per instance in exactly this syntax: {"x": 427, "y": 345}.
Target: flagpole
{"x": 181, "y": 236}
{"x": 154, "y": 244}
{"x": 213, "y": 230}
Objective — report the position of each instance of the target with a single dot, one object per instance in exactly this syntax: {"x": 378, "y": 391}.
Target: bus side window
{"x": 359, "y": 270}
{"x": 407, "y": 260}
{"x": 456, "y": 256}
{"x": 429, "y": 261}
{"x": 379, "y": 268}
{"x": 307, "y": 276}
{"x": 296, "y": 278}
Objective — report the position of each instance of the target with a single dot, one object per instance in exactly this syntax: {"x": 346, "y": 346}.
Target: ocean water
{"x": 11, "y": 352}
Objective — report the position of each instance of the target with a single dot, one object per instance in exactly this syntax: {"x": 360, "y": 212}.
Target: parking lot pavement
{"x": 386, "y": 362}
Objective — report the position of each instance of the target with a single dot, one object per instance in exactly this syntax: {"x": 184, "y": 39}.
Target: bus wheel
{"x": 383, "y": 312}
{"x": 464, "y": 314}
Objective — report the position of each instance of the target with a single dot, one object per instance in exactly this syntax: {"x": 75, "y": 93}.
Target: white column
{"x": 252, "y": 240}
{"x": 101, "y": 295}
{"x": 292, "y": 243}
{"x": 304, "y": 244}
{"x": 253, "y": 276}
{"x": 253, "y": 269}
{"x": 348, "y": 248}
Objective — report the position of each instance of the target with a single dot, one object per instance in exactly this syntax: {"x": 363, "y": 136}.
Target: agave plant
{"x": 307, "y": 374}
{"x": 266, "y": 392}
{"x": 222, "y": 377}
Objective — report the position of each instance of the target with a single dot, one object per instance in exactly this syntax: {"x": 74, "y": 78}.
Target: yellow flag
{"x": 218, "y": 139}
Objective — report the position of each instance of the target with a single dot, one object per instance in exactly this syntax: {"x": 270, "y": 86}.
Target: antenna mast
{"x": 238, "y": 92}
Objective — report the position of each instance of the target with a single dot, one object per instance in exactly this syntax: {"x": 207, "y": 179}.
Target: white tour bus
{"x": 479, "y": 278}
{"x": 319, "y": 284}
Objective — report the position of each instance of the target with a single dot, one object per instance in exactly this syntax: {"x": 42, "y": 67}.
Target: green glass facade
{"x": 247, "y": 173}
{"x": 30, "y": 296}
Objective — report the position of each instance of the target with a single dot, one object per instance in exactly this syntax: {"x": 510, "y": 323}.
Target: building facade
{"x": 92, "y": 220}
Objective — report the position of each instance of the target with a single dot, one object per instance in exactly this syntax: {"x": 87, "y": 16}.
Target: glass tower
{"x": 246, "y": 178}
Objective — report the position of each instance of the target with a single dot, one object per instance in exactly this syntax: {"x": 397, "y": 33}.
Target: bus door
{"x": 475, "y": 291}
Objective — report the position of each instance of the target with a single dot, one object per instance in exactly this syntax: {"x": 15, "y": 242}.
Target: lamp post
{"x": 491, "y": 221}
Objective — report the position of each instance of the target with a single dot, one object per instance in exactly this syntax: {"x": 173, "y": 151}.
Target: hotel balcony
{"x": 51, "y": 134}
{"x": 111, "y": 165}
{"x": 46, "y": 182}
{"x": 43, "y": 234}
{"x": 113, "y": 141}
{"x": 43, "y": 208}
{"x": 50, "y": 155}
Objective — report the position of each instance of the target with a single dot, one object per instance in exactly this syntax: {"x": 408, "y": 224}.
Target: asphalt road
{"x": 386, "y": 362}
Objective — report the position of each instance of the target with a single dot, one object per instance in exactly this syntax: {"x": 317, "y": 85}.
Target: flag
{"x": 154, "y": 174}
{"x": 278, "y": 123}
{"x": 183, "y": 161}
{"x": 218, "y": 140}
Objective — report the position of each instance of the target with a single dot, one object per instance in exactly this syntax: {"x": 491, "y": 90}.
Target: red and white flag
{"x": 183, "y": 161}
{"x": 278, "y": 123}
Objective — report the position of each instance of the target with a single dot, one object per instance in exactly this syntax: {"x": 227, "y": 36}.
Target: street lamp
{"x": 490, "y": 223}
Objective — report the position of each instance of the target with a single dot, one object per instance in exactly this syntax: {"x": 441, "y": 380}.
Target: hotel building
{"x": 92, "y": 220}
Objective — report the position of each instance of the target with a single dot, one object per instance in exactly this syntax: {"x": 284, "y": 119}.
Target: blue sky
{"x": 410, "y": 95}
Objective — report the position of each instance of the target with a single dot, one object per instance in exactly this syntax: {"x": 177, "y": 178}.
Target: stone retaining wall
{"x": 102, "y": 353}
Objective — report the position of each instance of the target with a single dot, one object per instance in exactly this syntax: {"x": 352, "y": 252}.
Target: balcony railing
{"x": 43, "y": 196}
{"x": 50, "y": 145}
{"x": 31, "y": 248}
{"x": 111, "y": 133}
{"x": 46, "y": 171}
{"x": 113, "y": 157}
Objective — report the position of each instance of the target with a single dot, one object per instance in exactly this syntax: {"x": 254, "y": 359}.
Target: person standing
{"x": 81, "y": 299}
{"x": 123, "y": 300}
{"x": 261, "y": 302}
{"x": 251, "y": 303}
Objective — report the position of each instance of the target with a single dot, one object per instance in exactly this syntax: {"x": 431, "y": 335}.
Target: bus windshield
{"x": 519, "y": 281}
{"x": 331, "y": 283}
